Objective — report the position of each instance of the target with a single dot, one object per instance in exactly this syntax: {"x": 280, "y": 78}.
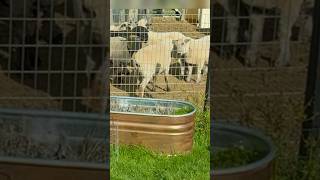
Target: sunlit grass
{"x": 132, "y": 162}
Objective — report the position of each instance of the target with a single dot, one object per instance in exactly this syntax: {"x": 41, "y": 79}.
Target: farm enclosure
{"x": 260, "y": 71}
{"x": 144, "y": 44}
{"x": 159, "y": 21}
{"x": 47, "y": 49}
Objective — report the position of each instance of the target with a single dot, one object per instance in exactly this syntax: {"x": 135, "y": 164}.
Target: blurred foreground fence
{"x": 53, "y": 95}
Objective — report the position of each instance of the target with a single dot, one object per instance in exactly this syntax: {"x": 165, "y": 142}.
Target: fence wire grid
{"x": 261, "y": 51}
{"x": 51, "y": 52}
{"x": 133, "y": 30}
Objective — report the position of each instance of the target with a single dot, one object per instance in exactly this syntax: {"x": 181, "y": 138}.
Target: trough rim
{"x": 80, "y": 116}
{"x": 254, "y": 166}
{"x": 54, "y": 114}
{"x": 53, "y": 163}
{"x": 155, "y": 99}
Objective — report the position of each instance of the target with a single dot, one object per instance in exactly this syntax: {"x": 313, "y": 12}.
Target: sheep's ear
{"x": 187, "y": 40}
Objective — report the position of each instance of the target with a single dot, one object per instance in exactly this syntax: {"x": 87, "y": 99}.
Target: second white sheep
{"x": 196, "y": 52}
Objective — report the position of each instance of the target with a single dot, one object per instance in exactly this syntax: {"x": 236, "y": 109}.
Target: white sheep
{"x": 232, "y": 22}
{"x": 167, "y": 36}
{"x": 143, "y": 22}
{"x": 152, "y": 59}
{"x": 119, "y": 55}
{"x": 152, "y": 37}
{"x": 120, "y": 27}
{"x": 289, "y": 12}
{"x": 196, "y": 52}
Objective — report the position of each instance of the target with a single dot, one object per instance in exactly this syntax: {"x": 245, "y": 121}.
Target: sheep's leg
{"x": 305, "y": 34}
{"x": 233, "y": 26}
{"x": 205, "y": 70}
{"x": 62, "y": 148}
{"x": 289, "y": 16}
{"x": 143, "y": 85}
{"x": 189, "y": 73}
{"x": 257, "y": 22}
{"x": 84, "y": 28}
{"x": 166, "y": 79}
{"x": 232, "y": 34}
{"x": 154, "y": 83}
{"x": 183, "y": 67}
{"x": 180, "y": 63}
{"x": 111, "y": 74}
{"x": 199, "y": 68}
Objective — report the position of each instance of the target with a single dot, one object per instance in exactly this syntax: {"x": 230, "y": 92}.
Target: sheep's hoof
{"x": 140, "y": 92}
{"x": 60, "y": 153}
{"x": 168, "y": 89}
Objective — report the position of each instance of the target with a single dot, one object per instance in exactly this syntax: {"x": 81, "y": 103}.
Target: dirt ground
{"x": 267, "y": 98}
{"x": 231, "y": 77}
{"x": 16, "y": 95}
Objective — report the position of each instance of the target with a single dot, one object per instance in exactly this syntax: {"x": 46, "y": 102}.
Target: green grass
{"x": 184, "y": 110}
{"x": 281, "y": 119}
{"x": 233, "y": 157}
{"x": 139, "y": 163}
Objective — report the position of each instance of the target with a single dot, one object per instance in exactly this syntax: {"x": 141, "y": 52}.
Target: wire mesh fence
{"x": 261, "y": 49}
{"x": 145, "y": 51}
{"x": 53, "y": 95}
{"x": 260, "y": 62}
{"x": 50, "y": 53}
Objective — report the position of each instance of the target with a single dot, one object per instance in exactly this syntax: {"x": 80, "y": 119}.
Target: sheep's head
{"x": 141, "y": 32}
{"x": 124, "y": 26}
{"x": 143, "y": 23}
{"x": 181, "y": 46}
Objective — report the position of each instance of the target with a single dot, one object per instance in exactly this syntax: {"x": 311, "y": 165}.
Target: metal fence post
{"x": 311, "y": 126}
{"x": 207, "y": 94}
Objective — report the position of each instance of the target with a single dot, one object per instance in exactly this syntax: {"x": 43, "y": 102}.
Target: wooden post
{"x": 311, "y": 126}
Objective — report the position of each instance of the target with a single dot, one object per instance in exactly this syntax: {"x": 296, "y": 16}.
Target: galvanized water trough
{"x": 46, "y": 127}
{"x": 152, "y": 123}
{"x": 224, "y": 135}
